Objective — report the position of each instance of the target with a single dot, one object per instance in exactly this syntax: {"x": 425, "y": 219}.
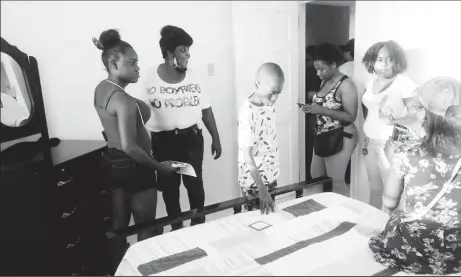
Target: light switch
{"x": 210, "y": 69}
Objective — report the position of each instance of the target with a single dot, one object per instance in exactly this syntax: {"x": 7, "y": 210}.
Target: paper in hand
{"x": 184, "y": 168}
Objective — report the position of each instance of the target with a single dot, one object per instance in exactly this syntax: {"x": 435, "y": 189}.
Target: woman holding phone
{"x": 386, "y": 61}
{"x": 335, "y": 107}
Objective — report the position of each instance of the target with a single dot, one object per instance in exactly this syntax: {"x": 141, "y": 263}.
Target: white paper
{"x": 184, "y": 168}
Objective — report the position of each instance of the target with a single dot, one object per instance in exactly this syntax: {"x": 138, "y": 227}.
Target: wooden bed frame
{"x": 165, "y": 221}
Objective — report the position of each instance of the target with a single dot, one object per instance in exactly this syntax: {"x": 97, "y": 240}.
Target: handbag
{"x": 330, "y": 143}
{"x": 421, "y": 213}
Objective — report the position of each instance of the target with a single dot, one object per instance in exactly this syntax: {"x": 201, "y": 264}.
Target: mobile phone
{"x": 301, "y": 105}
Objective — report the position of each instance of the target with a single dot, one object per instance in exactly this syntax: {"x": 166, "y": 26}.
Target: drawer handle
{"x": 65, "y": 215}
{"x": 62, "y": 183}
{"x": 71, "y": 245}
{"x": 107, "y": 218}
{"x": 78, "y": 273}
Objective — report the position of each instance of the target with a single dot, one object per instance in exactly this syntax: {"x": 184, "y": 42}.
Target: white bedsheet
{"x": 330, "y": 240}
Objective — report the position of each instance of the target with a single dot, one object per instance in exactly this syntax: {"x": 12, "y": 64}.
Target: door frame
{"x": 302, "y": 87}
{"x": 302, "y": 76}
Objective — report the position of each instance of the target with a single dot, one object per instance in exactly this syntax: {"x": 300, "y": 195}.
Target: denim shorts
{"x": 121, "y": 171}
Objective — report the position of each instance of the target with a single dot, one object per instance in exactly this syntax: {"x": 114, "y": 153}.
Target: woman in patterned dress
{"x": 430, "y": 243}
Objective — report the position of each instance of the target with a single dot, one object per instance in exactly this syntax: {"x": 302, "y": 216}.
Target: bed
{"x": 322, "y": 234}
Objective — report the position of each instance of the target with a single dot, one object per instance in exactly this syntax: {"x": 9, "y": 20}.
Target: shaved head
{"x": 269, "y": 82}
{"x": 270, "y": 71}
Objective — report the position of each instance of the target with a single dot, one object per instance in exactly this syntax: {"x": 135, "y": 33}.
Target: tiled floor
{"x": 282, "y": 198}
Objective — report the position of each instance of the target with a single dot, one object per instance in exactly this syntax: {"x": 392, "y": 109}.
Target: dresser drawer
{"x": 107, "y": 223}
{"x": 67, "y": 201}
{"x": 68, "y": 245}
{"x": 69, "y": 227}
{"x": 69, "y": 260}
{"x": 104, "y": 203}
{"x": 79, "y": 272}
{"x": 64, "y": 175}
{"x": 67, "y": 191}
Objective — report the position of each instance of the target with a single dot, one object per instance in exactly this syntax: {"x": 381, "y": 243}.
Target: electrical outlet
{"x": 210, "y": 69}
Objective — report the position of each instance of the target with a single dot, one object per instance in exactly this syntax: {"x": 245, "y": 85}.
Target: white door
{"x": 267, "y": 31}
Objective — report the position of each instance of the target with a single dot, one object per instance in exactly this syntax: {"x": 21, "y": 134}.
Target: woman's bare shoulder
{"x": 347, "y": 86}
{"x": 102, "y": 92}
{"x": 122, "y": 103}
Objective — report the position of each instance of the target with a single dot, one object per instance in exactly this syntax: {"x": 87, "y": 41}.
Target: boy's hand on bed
{"x": 266, "y": 204}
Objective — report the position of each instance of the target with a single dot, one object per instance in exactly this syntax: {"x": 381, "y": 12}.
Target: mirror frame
{"x": 37, "y": 121}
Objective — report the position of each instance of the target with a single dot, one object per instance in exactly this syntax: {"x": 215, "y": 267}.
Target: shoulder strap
{"x": 436, "y": 199}
{"x": 109, "y": 97}
{"x": 335, "y": 88}
{"x": 140, "y": 114}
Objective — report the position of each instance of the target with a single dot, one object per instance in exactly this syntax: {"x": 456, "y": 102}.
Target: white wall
{"x": 352, "y": 21}
{"x": 58, "y": 34}
{"x": 428, "y": 31}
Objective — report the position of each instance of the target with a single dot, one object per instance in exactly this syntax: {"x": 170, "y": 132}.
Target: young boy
{"x": 258, "y": 159}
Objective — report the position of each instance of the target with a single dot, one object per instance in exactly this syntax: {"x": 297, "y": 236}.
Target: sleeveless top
{"x": 326, "y": 123}
{"x": 108, "y": 119}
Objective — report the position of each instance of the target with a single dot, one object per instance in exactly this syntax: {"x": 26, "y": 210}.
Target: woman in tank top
{"x": 386, "y": 60}
{"x": 129, "y": 165}
{"x": 336, "y": 107}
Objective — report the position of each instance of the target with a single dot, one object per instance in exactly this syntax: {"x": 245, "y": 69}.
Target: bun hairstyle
{"x": 107, "y": 39}
{"x": 111, "y": 45}
{"x": 172, "y": 37}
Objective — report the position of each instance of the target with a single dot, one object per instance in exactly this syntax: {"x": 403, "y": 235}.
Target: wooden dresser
{"x": 81, "y": 209}
{"x": 58, "y": 214}
{"x": 53, "y": 210}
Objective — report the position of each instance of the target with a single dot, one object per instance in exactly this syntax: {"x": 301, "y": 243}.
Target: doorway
{"x": 320, "y": 22}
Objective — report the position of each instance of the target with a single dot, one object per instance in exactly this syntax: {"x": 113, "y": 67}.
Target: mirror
{"x": 16, "y": 103}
